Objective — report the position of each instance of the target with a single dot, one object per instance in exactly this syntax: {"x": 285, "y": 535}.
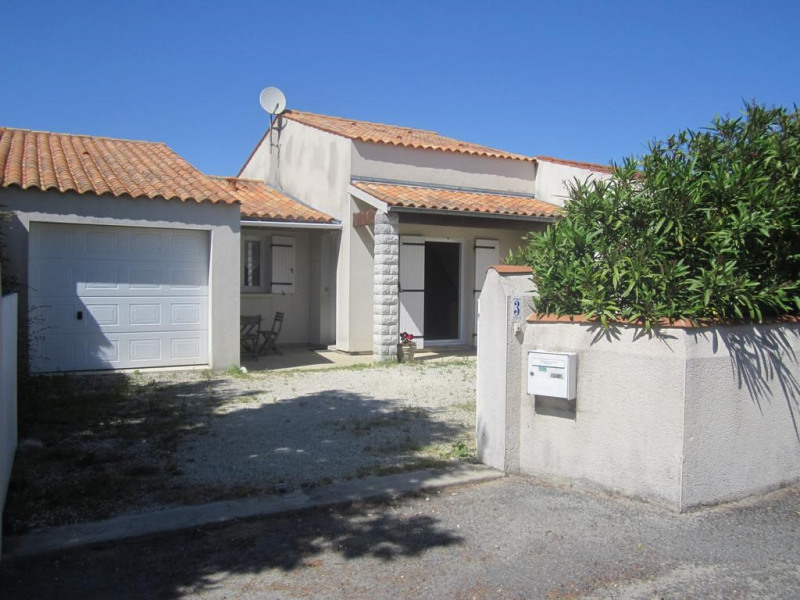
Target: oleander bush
{"x": 706, "y": 225}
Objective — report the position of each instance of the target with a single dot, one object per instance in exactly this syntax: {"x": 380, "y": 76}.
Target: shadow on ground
{"x": 188, "y": 563}
{"x": 115, "y": 444}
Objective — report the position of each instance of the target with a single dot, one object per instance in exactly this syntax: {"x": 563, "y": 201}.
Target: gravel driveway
{"x": 112, "y": 444}
{"x": 300, "y": 428}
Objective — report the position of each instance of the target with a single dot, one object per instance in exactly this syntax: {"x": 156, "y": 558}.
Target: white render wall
{"x": 553, "y": 181}
{"x": 627, "y": 432}
{"x": 8, "y": 395}
{"x": 434, "y": 167}
{"x": 220, "y": 220}
{"x": 685, "y": 417}
{"x": 742, "y": 415}
{"x": 497, "y": 424}
{"x": 308, "y": 164}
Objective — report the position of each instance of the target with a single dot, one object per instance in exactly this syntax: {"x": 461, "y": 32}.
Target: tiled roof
{"x": 444, "y": 199}
{"x": 397, "y": 136}
{"x": 98, "y": 165}
{"x": 577, "y": 164}
{"x": 261, "y": 202}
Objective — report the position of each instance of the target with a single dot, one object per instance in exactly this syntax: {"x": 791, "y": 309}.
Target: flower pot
{"x": 405, "y": 352}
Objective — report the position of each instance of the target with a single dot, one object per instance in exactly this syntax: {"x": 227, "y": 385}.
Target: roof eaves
{"x": 576, "y": 163}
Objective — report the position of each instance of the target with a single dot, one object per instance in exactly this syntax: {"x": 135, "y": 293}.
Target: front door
{"x": 442, "y": 291}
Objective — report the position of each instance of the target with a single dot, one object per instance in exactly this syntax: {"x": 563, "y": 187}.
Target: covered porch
{"x": 287, "y": 266}
{"x": 432, "y": 247}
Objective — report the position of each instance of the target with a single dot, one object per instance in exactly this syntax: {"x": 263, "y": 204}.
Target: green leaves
{"x": 706, "y": 225}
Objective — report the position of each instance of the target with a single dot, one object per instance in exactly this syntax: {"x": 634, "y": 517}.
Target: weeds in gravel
{"x": 93, "y": 444}
{"x": 465, "y": 406}
{"x": 238, "y": 371}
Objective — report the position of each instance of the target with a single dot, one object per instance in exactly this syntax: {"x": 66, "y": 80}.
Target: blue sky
{"x": 592, "y": 81}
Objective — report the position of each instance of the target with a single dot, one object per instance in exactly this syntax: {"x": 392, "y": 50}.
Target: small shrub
{"x": 704, "y": 226}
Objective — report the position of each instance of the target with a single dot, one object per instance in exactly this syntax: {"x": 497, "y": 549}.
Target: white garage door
{"x": 117, "y": 297}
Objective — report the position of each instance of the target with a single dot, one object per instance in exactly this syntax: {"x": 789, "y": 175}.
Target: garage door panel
{"x": 102, "y": 277}
{"x": 136, "y": 314}
{"x": 186, "y": 348}
{"x": 130, "y": 350}
{"x": 54, "y": 277}
{"x": 104, "y": 243}
{"x": 55, "y": 315}
{"x": 136, "y": 280}
{"x": 147, "y": 244}
{"x": 186, "y": 245}
{"x": 103, "y": 315}
{"x": 144, "y": 278}
{"x": 142, "y": 295}
{"x": 145, "y": 349}
{"x": 144, "y": 314}
{"x": 186, "y": 313}
{"x": 191, "y": 279}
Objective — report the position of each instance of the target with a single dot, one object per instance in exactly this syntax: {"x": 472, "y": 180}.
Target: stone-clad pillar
{"x": 385, "y": 330}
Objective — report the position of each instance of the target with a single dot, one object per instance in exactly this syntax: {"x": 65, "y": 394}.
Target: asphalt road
{"x": 508, "y": 538}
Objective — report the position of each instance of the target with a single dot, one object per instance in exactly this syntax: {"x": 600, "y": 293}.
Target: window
{"x": 268, "y": 264}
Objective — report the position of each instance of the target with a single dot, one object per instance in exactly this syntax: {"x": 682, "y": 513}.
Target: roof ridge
{"x": 229, "y": 177}
{"x": 397, "y": 135}
{"x": 80, "y": 135}
{"x": 305, "y": 112}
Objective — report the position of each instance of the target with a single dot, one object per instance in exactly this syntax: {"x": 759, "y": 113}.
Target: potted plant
{"x": 406, "y": 348}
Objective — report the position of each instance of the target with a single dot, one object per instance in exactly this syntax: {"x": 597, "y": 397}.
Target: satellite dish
{"x": 272, "y": 100}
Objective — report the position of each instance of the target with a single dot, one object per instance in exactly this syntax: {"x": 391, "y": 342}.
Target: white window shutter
{"x": 282, "y": 265}
{"x": 487, "y": 253}
{"x": 412, "y": 287}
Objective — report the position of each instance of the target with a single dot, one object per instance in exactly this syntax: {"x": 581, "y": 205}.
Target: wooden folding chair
{"x": 250, "y": 334}
{"x": 271, "y": 336}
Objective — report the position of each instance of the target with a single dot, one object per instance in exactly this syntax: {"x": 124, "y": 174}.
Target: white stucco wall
{"x": 742, "y": 420}
{"x": 8, "y": 394}
{"x": 553, "y": 179}
{"x": 220, "y": 220}
{"x": 305, "y": 163}
{"x": 627, "y": 431}
{"x": 434, "y": 167}
{"x": 357, "y": 335}
{"x": 684, "y": 417}
{"x": 497, "y": 423}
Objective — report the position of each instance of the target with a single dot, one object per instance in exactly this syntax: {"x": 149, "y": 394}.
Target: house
{"x": 126, "y": 256}
{"x": 422, "y": 217}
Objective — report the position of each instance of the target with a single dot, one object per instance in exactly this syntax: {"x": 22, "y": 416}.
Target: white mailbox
{"x": 552, "y": 374}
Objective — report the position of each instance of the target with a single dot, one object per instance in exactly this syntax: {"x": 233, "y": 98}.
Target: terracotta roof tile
{"x": 98, "y": 165}
{"x": 578, "y": 164}
{"x": 444, "y": 199}
{"x": 398, "y": 136}
{"x": 663, "y": 322}
{"x": 512, "y": 269}
{"x": 260, "y": 201}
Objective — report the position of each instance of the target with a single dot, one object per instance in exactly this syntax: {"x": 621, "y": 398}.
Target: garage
{"x": 115, "y": 297}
